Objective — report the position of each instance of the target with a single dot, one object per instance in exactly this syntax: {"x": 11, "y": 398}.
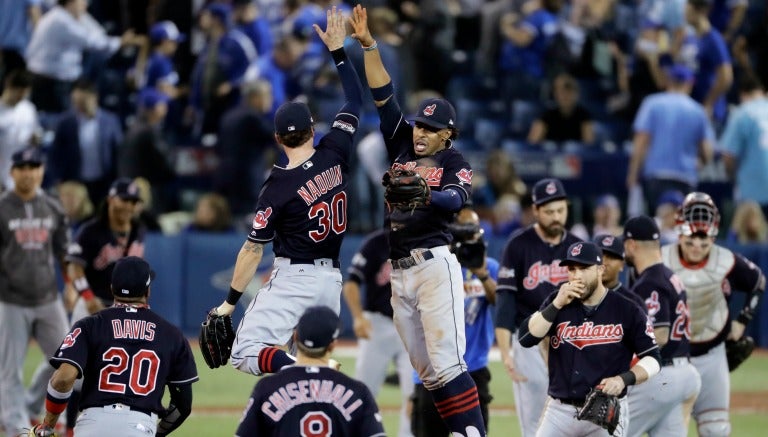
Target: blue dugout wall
{"x": 194, "y": 270}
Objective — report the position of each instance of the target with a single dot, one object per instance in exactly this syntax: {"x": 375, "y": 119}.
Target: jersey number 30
{"x": 120, "y": 361}
{"x": 330, "y": 216}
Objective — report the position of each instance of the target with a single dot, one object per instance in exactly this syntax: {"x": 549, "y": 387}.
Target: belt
{"x": 575, "y": 402}
{"x": 128, "y": 407}
{"x": 677, "y": 361}
{"x": 415, "y": 259}
{"x": 316, "y": 262}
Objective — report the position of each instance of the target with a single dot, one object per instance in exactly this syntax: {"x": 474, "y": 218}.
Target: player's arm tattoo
{"x": 255, "y": 248}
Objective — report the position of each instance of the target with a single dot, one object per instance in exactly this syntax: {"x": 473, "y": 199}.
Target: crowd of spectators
{"x": 120, "y": 88}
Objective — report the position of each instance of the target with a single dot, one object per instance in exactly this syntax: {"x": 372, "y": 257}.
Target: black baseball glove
{"x": 216, "y": 338}
{"x": 602, "y": 409}
{"x": 738, "y": 351}
{"x": 405, "y": 189}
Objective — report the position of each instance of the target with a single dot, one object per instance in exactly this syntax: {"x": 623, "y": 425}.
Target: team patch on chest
{"x": 587, "y": 334}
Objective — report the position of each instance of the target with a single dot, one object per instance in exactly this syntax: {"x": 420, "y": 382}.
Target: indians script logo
{"x": 551, "y": 188}
{"x": 70, "y": 339}
{"x": 608, "y": 241}
{"x": 261, "y": 219}
{"x": 587, "y": 334}
{"x": 429, "y": 110}
{"x": 465, "y": 176}
{"x": 540, "y": 272}
{"x": 576, "y": 250}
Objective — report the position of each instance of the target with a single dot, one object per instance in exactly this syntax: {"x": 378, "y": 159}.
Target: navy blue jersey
{"x": 97, "y": 248}
{"x": 127, "y": 354}
{"x": 530, "y": 270}
{"x": 589, "y": 344}
{"x": 304, "y": 209}
{"x": 310, "y": 401}
{"x": 624, "y": 291}
{"x": 664, "y": 296}
{"x": 427, "y": 226}
{"x": 371, "y": 268}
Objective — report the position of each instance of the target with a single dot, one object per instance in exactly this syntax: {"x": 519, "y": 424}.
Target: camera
{"x": 468, "y": 245}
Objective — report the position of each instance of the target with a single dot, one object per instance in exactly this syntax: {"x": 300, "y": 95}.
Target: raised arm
{"x": 377, "y": 76}
{"x": 333, "y": 37}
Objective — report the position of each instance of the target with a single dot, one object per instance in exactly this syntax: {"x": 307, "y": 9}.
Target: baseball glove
{"x": 405, "y": 189}
{"x": 738, "y": 351}
{"x": 601, "y": 409}
{"x": 41, "y": 430}
{"x": 216, "y": 338}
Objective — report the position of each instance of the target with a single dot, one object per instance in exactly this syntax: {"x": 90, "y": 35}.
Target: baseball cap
{"x": 220, "y": 11}
{"x": 318, "y": 327}
{"x": 125, "y": 188}
{"x": 607, "y": 200}
{"x": 548, "y": 190}
{"x": 438, "y": 113}
{"x": 165, "y": 30}
{"x": 680, "y": 73}
{"x": 150, "y": 97}
{"x": 610, "y": 244}
{"x": 672, "y": 197}
{"x": 131, "y": 277}
{"x": 292, "y": 117}
{"x": 584, "y": 253}
{"x": 28, "y": 156}
{"x": 641, "y": 228}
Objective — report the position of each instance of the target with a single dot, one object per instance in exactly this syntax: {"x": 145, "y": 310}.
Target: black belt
{"x": 313, "y": 262}
{"x": 410, "y": 261}
{"x": 673, "y": 361}
{"x": 575, "y": 402}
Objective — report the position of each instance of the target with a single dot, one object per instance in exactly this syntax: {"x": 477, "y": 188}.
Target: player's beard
{"x": 589, "y": 289}
{"x": 554, "y": 229}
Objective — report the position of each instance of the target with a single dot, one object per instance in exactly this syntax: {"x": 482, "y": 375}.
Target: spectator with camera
{"x": 479, "y": 274}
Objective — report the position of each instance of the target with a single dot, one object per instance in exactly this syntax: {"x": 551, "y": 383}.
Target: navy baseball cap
{"x": 548, "y": 190}
{"x": 318, "y": 327}
{"x": 125, "y": 188}
{"x": 165, "y": 30}
{"x": 438, "y": 113}
{"x": 292, "y": 117}
{"x": 131, "y": 277}
{"x": 641, "y": 228}
{"x": 610, "y": 245}
{"x": 29, "y": 156}
{"x": 584, "y": 253}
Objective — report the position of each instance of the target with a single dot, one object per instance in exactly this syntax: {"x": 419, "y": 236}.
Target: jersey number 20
{"x": 682, "y": 326}
{"x": 330, "y": 216}
{"x": 120, "y": 361}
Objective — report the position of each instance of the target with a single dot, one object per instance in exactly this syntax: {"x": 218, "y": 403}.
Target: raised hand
{"x": 359, "y": 22}
{"x": 334, "y": 34}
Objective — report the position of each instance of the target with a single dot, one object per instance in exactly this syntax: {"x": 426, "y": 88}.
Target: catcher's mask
{"x": 698, "y": 215}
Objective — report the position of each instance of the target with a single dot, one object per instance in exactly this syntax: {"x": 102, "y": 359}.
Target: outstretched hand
{"x": 334, "y": 34}
{"x": 359, "y": 22}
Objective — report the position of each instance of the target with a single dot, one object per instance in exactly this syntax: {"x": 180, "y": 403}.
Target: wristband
{"x": 629, "y": 378}
{"x": 371, "y": 47}
{"x": 383, "y": 92}
{"x": 82, "y": 287}
{"x": 744, "y": 317}
{"x": 56, "y": 401}
{"x": 483, "y": 278}
{"x": 550, "y": 312}
{"x": 87, "y": 295}
{"x": 338, "y": 55}
{"x": 233, "y": 296}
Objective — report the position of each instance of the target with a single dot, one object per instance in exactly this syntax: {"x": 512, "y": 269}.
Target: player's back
{"x": 310, "y": 401}
{"x": 132, "y": 353}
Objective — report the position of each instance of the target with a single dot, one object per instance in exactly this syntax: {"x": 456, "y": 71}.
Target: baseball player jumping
{"x": 427, "y": 292}
{"x": 530, "y": 271}
{"x": 710, "y": 273}
{"x": 302, "y": 209}
{"x": 591, "y": 335}
{"x": 657, "y": 408}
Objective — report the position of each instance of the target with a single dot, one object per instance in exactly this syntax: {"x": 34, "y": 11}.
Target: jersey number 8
{"x": 333, "y": 216}
{"x": 120, "y": 361}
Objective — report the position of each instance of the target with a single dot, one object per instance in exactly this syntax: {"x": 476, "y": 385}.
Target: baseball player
{"x": 310, "y": 398}
{"x": 427, "y": 293}
{"x": 657, "y": 408}
{"x": 479, "y": 273}
{"x": 709, "y": 274}
{"x": 126, "y": 355}
{"x": 302, "y": 208}
{"x": 530, "y": 271}
{"x": 378, "y": 342}
{"x": 110, "y": 236}
{"x": 592, "y": 335}
{"x": 613, "y": 261}
{"x": 33, "y": 234}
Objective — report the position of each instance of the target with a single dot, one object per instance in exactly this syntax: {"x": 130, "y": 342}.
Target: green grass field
{"x": 220, "y": 395}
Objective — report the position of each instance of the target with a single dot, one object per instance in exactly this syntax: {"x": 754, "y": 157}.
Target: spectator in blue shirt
{"x": 16, "y": 23}
{"x": 727, "y": 16}
{"x": 673, "y": 137}
{"x": 745, "y": 143}
{"x": 161, "y": 73}
{"x": 276, "y": 69}
{"x": 254, "y": 25}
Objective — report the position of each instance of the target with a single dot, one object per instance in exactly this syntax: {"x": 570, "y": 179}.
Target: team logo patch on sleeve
{"x": 343, "y": 125}
{"x": 652, "y": 304}
{"x": 465, "y": 176}
{"x": 70, "y": 339}
{"x": 261, "y": 220}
